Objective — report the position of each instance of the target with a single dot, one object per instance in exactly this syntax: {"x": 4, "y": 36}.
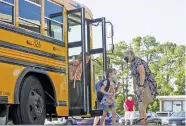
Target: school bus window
{"x": 53, "y": 20}
{"x": 7, "y": 11}
{"x": 9, "y": 1}
{"x": 54, "y": 29}
{"x": 37, "y": 2}
{"x": 74, "y": 28}
{"x": 29, "y": 16}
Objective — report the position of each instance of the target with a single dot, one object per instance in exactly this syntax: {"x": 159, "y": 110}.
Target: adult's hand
{"x": 134, "y": 92}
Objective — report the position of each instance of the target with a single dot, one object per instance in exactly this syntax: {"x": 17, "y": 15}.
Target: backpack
{"x": 98, "y": 86}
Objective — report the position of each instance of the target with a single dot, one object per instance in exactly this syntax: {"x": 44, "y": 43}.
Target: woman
{"x": 144, "y": 83}
{"x": 108, "y": 100}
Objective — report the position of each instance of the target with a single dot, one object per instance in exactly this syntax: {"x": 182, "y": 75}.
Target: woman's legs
{"x": 142, "y": 107}
{"x": 142, "y": 111}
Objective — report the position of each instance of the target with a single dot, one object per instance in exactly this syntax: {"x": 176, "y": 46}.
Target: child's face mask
{"x": 114, "y": 77}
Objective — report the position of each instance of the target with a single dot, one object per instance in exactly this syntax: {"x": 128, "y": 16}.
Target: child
{"x": 108, "y": 100}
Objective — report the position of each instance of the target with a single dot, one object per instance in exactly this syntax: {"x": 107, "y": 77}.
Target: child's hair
{"x": 109, "y": 71}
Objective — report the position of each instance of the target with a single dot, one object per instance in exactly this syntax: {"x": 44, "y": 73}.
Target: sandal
{"x": 146, "y": 122}
{"x": 141, "y": 121}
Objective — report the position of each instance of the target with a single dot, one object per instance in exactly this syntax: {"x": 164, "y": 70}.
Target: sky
{"x": 163, "y": 19}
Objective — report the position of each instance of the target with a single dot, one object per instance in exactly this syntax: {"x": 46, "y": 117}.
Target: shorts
{"x": 128, "y": 115}
{"x": 106, "y": 107}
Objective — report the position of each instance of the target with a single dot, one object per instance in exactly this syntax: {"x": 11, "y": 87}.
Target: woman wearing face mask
{"x": 144, "y": 84}
{"x": 108, "y": 100}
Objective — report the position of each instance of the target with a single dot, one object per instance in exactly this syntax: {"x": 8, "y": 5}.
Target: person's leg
{"x": 126, "y": 117}
{"x": 103, "y": 117}
{"x": 96, "y": 119}
{"x": 104, "y": 122}
{"x": 105, "y": 110}
{"x": 113, "y": 109}
{"x": 143, "y": 113}
{"x": 142, "y": 107}
{"x": 130, "y": 117}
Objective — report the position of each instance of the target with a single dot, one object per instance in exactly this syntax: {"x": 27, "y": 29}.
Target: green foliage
{"x": 166, "y": 61}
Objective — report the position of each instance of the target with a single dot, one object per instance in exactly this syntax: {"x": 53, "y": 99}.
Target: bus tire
{"x": 32, "y": 108}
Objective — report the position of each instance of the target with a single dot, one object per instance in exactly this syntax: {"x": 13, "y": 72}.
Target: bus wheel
{"x": 32, "y": 109}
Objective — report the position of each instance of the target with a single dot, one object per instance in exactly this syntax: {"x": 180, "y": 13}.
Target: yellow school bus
{"x": 38, "y": 38}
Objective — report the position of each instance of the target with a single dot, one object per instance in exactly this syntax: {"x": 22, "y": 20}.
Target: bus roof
{"x": 71, "y": 4}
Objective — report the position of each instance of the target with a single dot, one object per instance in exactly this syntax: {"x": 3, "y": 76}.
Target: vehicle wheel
{"x": 31, "y": 109}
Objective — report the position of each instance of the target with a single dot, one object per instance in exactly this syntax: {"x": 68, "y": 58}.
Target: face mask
{"x": 126, "y": 59}
{"x": 114, "y": 78}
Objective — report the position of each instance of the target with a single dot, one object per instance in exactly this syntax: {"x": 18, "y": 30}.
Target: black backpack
{"x": 98, "y": 88}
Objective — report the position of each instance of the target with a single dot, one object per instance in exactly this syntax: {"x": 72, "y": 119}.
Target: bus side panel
{"x": 8, "y": 75}
{"x": 61, "y": 86}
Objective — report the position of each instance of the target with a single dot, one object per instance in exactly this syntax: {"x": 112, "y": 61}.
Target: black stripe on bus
{"x": 31, "y": 64}
{"x": 30, "y": 50}
{"x": 31, "y": 34}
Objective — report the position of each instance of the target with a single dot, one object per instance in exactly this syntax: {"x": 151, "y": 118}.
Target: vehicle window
{"x": 35, "y": 1}
{"x": 9, "y": 1}
{"x": 53, "y": 20}
{"x": 178, "y": 114}
{"x": 162, "y": 114}
{"x": 29, "y": 15}
{"x": 7, "y": 11}
{"x": 74, "y": 28}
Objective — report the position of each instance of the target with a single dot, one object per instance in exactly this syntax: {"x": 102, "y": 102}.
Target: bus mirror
{"x": 110, "y": 47}
{"x": 110, "y": 30}
{"x": 109, "y": 35}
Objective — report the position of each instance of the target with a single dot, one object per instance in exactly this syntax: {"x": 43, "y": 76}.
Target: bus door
{"x": 97, "y": 47}
{"x": 77, "y": 62}
{"x": 80, "y": 43}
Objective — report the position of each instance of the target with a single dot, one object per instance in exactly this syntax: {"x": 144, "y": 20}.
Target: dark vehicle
{"x": 133, "y": 118}
{"x": 177, "y": 118}
{"x": 90, "y": 121}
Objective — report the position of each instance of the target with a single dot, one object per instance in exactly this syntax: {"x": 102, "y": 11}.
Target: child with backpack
{"x": 106, "y": 99}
